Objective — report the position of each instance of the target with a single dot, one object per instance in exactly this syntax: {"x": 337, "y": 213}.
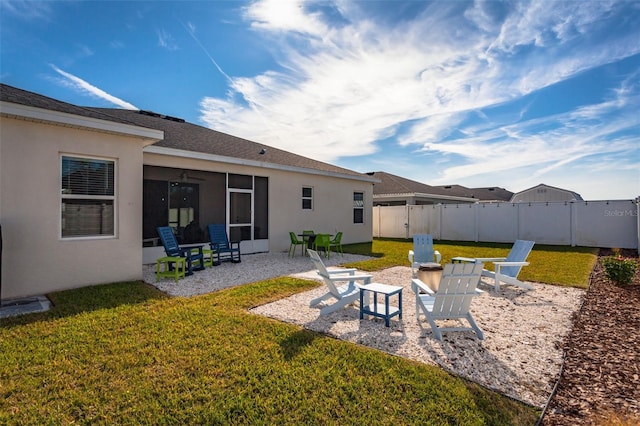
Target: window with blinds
{"x": 88, "y": 197}
{"x": 358, "y": 207}
{"x": 307, "y": 198}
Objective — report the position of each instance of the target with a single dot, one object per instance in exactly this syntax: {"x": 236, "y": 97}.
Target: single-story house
{"x": 393, "y": 190}
{"x": 542, "y": 193}
{"x": 82, "y": 191}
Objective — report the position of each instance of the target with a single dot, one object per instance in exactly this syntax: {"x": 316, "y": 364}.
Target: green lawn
{"x": 560, "y": 265}
{"x": 126, "y": 353}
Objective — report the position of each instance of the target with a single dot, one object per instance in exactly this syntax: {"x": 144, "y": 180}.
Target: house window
{"x": 307, "y": 198}
{"x": 88, "y": 197}
{"x": 358, "y": 207}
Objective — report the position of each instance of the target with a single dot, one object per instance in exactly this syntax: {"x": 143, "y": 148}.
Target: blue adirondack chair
{"x": 222, "y": 249}
{"x": 193, "y": 253}
{"x": 422, "y": 252}
{"x": 506, "y": 269}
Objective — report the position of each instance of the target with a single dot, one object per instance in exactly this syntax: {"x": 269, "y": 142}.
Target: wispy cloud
{"x": 116, "y": 44}
{"x": 191, "y": 29}
{"x": 84, "y": 51}
{"x": 81, "y": 85}
{"x": 345, "y": 84}
{"x": 166, "y": 40}
{"x": 548, "y": 142}
{"x": 26, "y": 9}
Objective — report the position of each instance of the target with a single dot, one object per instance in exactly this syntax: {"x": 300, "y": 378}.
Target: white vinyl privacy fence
{"x": 611, "y": 224}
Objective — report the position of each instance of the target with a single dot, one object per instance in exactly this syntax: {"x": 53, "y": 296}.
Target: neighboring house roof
{"x": 522, "y": 195}
{"x": 492, "y": 193}
{"x": 392, "y": 186}
{"x": 177, "y": 137}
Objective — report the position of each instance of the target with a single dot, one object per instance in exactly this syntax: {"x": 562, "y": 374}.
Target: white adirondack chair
{"x": 422, "y": 252}
{"x": 506, "y": 269}
{"x": 345, "y": 294}
{"x": 452, "y": 301}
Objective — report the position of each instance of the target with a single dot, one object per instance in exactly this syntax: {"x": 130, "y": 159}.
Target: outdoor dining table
{"x": 312, "y": 238}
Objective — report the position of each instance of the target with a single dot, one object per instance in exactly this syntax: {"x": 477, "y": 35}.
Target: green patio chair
{"x": 296, "y": 242}
{"x": 323, "y": 241}
{"x": 337, "y": 243}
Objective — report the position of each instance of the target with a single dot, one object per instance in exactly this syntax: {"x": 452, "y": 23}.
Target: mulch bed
{"x": 600, "y": 382}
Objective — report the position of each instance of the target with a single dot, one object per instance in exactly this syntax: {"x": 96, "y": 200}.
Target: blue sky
{"x": 487, "y": 93}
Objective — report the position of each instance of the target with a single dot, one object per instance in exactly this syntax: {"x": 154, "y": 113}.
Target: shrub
{"x": 619, "y": 270}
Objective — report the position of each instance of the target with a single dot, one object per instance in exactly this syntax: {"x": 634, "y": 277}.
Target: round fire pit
{"x": 430, "y": 274}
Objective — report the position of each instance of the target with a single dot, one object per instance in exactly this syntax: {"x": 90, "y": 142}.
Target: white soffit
{"x": 251, "y": 163}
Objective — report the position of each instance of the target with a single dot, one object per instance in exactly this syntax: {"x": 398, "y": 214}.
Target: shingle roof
{"x": 392, "y": 184}
{"x": 24, "y": 97}
{"x": 492, "y": 193}
{"x": 179, "y": 134}
{"x": 182, "y": 135}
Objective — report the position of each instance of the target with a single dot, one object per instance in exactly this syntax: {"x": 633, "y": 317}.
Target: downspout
{"x": 0, "y": 265}
{"x": 407, "y": 224}
{"x": 440, "y": 214}
{"x": 476, "y": 221}
{"x": 573, "y": 223}
{"x": 638, "y": 220}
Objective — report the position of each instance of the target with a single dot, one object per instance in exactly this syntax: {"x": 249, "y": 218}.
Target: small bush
{"x": 619, "y": 270}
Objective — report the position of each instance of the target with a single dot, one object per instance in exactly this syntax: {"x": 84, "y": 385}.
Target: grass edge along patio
{"x": 127, "y": 353}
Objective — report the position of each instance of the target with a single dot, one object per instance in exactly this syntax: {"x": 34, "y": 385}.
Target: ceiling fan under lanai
{"x": 185, "y": 177}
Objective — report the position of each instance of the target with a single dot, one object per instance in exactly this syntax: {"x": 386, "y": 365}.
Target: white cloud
{"x": 284, "y": 16}
{"x": 83, "y": 86}
{"x": 345, "y": 85}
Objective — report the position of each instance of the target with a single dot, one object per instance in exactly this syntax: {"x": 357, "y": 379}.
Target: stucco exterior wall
{"x": 332, "y": 199}
{"x": 332, "y": 208}
{"x": 35, "y": 259}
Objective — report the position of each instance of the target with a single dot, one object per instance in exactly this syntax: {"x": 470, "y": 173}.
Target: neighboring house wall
{"x": 543, "y": 193}
{"x": 35, "y": 259}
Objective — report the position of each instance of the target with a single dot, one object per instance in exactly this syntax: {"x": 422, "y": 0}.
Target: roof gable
{"x": 573, "y": 194}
